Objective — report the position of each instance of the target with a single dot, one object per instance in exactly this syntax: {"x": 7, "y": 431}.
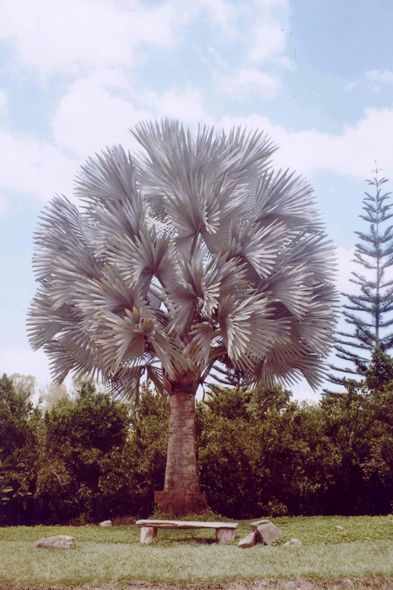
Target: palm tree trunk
{"x": 182, "y": 494}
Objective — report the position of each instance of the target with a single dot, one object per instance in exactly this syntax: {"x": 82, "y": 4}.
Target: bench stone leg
{"x": 148, "y": 534}
{"x": 224, "y": 536}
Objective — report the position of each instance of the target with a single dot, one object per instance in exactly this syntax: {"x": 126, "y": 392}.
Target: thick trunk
{"x": 182, "y": 494}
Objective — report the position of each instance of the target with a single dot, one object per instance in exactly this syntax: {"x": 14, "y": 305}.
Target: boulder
{"x": 255, "y": 525}
{"x": 248, "y": 541}
{"x": 268, "y": 533}
{"x": 293, "y": 542}
{"x": 59, "y": 542}
{"x": 106, "y": 523}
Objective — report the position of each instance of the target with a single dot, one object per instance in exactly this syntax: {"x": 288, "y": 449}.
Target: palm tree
{"x": 192, "y": 258}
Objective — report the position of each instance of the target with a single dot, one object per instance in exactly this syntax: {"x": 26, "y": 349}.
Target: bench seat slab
{"x": 185, "y": 524}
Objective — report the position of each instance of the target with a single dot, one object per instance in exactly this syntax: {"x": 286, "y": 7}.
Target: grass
{"x": 310, "y": 530}
{"x": 363, "y": 549}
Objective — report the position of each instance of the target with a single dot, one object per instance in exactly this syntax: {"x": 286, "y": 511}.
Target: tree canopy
{"x": 193, "y": 256}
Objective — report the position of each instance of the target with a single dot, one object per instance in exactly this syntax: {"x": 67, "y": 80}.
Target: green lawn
{"x": 113, "y": 557}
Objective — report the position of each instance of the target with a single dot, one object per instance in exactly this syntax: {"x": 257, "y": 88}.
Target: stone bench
{"x": 225, "y": 531}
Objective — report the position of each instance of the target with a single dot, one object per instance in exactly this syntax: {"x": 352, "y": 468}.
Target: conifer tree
{"x": 368, "y": 312}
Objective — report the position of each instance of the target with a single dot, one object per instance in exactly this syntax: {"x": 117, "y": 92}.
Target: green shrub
{"x": 100, "y": 458}
{"x": 260, "y": 453}
{"x": 19, "y": 449}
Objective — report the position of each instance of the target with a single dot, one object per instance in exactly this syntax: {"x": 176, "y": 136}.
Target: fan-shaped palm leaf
{"x": 193, "y": 254}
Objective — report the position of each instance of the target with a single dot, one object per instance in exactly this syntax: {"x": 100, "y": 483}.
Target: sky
{"x": 75, "y": 76}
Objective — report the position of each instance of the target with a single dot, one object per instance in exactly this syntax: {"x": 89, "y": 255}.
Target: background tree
{"x": 79, "y": 439}
{"x": 375, "y": 254}
{"x": 52, "y": 394}
{"x": 18, "y": 450}
{"x": 258, "y": 452}
{"x": 193, "y": 256}
{"x": 262, "y": 453}
{"x": 359, "y": 424}
{"x": 24, "y": 383}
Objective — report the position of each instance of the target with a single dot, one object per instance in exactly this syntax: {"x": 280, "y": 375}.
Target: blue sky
{"x": 76, "y": 75}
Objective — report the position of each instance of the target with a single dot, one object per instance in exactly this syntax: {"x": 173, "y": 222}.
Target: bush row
{"x": 259, "y": 453}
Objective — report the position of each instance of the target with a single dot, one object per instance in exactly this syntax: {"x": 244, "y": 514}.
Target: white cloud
{"x": 249, "y": 81}
{"x": 223, "y": 13}
{"x": 373, "y": 80}
{"x": 287, "y": 63}
{"x": 3, "y": 205}
{"x": 53, "y": 35}
{"x": 186, "y": 105}
{"x": 89, "y": 118}
{"x": 3, "y": 98}
{"x": 34, "y": 167}
{"x": 353, "y": 152}
{"x": 269, "y": 40}
{"x": 261, "y": 27}
{"x": 270, "y": 29}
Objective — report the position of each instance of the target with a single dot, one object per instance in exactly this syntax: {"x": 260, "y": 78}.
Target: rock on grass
{"x": 58, "y": 542}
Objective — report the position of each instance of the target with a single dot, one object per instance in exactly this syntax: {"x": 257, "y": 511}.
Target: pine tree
{"x": 374, "y": 253}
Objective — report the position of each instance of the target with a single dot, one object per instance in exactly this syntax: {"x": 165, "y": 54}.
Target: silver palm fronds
{"x": 192, "y": 258}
